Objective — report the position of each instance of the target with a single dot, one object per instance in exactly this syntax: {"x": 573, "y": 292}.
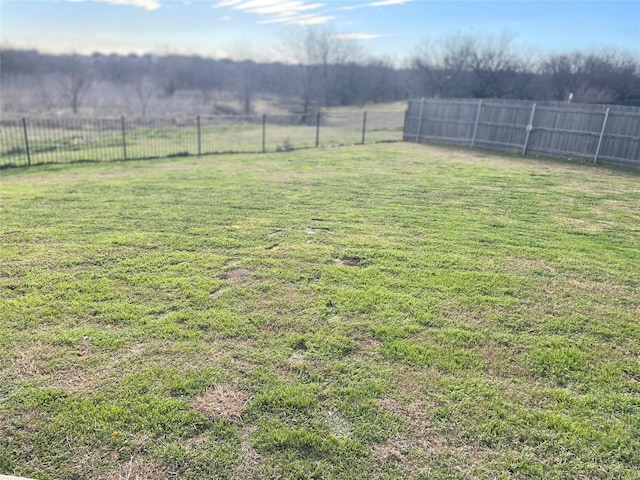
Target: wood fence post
{"x": 604, "y": 125}
{"x": 475, "y": 125}
{"x": 420, "y": 120}
{"x": 364, "y": 125}
{"x": 405, "y": 126}
{"x": 529, "y": 128}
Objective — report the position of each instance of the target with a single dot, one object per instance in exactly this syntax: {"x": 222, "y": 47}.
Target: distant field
{"x": 389, "y": 311}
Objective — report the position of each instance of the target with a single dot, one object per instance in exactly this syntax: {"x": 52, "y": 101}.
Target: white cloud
{"x": 267, "y": 7}
{"x": 226, "y": 3}
{"x": 279, "y": 11}
{"x": 146, "y": 4}
{"x": 355, "y": 36}
{"x": 379, "y": 3}
{"x": 315, "y": 20}
{"x": 298, "y": 19}
{"x": 384, "y": 3}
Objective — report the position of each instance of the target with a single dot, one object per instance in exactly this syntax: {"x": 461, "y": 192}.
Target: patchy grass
{"x": 373, "y": 312}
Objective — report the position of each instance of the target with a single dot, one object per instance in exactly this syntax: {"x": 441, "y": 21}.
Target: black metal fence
{"x": 599, "y": 133}
{"x": 32, "y": 141}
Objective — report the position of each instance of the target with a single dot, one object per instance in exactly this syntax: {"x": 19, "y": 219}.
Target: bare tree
{"x": 316, "y": 53}
{"x": 247, "y": 85}
{"x": 204, "y": 78}
{"x": 431, "y": 74}
{"x": 75, "y": 80}
{"x": 494, "y": 63}
{"x": 468, "y": 65}
{"x": 144, "y": 87}
{"x": 442, "y": 66}
{"x": 563, "y": 74}
{"x": 599, "y": 76}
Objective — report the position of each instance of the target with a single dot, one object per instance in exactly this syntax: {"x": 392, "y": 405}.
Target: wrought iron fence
{"x": 32, "y": 141}
{"x": 607, "y": 134}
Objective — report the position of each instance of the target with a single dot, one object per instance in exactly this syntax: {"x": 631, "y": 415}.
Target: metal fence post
{"x": 475, "y": 125}
{"x": 529, "y": 128}
{"x": 604, "y": 125}
{"x": 364, "y": 125}
{"x": 405, "y": 125}
{"x": 317, "y": 129}
{"x": 264, "y": 133}
{"x": 124, "y": 138}
{"x": 199, "y": 136}
{"x": 26, "y": 141}
{"x": 420, "y": 120}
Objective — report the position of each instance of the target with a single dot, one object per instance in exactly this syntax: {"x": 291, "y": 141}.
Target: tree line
{"x": 321, "y": 71}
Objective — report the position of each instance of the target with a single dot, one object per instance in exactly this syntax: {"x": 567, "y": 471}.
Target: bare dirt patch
{"x": 235, "y": 273}
{"x": 221, "y": 401}
{"x": 350, "y": 261}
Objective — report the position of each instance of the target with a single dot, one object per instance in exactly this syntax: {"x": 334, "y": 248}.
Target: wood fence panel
{"x": 620, "y": 141}
{"x": 594, "y": 132}
{"x": 503, "y": 125}
{"x": 449, "y": 121}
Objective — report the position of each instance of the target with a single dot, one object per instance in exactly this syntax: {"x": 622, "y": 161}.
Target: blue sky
{"x": 240, "y": 28}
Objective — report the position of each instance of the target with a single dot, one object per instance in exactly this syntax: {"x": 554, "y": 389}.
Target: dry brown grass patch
{"x": 196, "y": 442}
{"x": 26, "y": 362}
{"x": 526, "y": 265}
{"x": 221, "y": 401}
{"x": 581, "y": 224}
{"x": 250, "y": 460}
{"x": 137, "y": 469}
{"x": 412, "y": 412}
{"x": 78, "y": 381}
{"x": 412, "y": 407}
{"x": 389, "y": 455}
{"x": 407, "y": 455}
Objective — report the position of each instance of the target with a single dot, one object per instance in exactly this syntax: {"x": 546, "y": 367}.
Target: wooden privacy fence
{"x": 600, "y": 133}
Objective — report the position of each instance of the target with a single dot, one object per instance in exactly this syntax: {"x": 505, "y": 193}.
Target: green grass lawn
{"x": 390, "y": 311}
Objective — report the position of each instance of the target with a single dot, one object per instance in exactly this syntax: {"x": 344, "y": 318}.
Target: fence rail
{"x": 32, "y": 141}
{"x": 606, "y": 134}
